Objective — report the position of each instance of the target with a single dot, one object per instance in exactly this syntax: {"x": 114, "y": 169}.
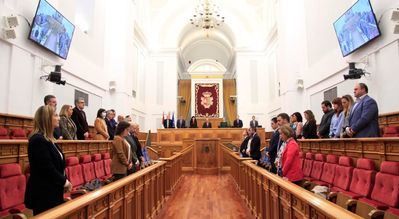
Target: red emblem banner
{"x": 207, "y": 100}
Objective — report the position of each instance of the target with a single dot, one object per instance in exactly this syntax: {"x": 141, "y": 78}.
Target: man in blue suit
{"x": 363, "y": 120}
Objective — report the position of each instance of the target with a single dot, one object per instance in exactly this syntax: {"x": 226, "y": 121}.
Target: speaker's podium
{"x": 207, "y": 156}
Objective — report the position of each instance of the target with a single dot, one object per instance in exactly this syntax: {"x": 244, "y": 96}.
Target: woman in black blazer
{"x": 47, "y": 181}
{"x": 193, "y": 122}
{"x": 309, "y": 130}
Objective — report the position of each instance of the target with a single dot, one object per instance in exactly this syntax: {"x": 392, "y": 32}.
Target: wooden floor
{"x": 205, "y": 197}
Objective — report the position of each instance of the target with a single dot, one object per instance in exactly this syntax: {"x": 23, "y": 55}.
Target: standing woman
{"x": 288, "y": 156}
{"x": 47, "y": 181}
{"x": 193, "y": 122}
{"x": 337, "y": 119}
{"x": 122, "y": 157}
{"x": 347, "y": 104}
{"x": 297, "y": 125}
{"x": 310, "y": 127}
{"x": 100, "y": 126}
{"x": 67, "y": 126}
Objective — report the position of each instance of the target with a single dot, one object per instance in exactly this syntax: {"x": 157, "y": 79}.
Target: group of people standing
{"x": 47, "y": 161}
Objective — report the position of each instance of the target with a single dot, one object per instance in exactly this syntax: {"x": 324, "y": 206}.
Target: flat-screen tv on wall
{"x": 356, "y": 27}
{"x": 51, "y": 30}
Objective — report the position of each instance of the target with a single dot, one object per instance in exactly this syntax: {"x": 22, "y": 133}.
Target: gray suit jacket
{"x": 364, "y": 118}
{"x": 252, "y": 124}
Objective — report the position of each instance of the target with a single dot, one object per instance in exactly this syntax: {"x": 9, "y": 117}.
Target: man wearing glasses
{"x": 79, "y": 117}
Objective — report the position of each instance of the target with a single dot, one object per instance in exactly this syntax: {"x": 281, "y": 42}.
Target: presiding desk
{"x": 170, "y": 141}
{"x": 214, "y": 121}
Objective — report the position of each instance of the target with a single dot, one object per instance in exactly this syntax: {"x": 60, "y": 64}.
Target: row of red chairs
{"x": 14, "y": 133}
{"x": 88, "y": 168}
{"x": 390, "y": 131}
{"x": 360, "y": 189}
{"x": 13, "y": 182}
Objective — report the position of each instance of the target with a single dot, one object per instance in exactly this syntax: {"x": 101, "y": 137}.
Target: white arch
{"x": 205, "y": 66}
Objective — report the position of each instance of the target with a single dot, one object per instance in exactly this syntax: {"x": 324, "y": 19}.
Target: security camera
{"x": 354, "y": 73}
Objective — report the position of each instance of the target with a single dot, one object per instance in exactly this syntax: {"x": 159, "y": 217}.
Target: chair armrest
{"x": 351, "y": 203}
{"x": 376, "y": 213}
{"x": 332, "y": 195}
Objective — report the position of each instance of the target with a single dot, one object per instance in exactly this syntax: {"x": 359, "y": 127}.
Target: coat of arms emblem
{"x": 207, "y": 99}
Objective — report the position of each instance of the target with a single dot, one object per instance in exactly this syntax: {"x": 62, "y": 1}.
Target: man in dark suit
{"x": 79, "y": 118}
{"x": 181, "y": 123}
{"x": 111, "y": 123}
{"x": 363, "y": 119}
{"x": 244, "y": 144}
{"x": 51, "y": 100}
{"x": 253, "y": 123}
{"x": 237, "y": 123}
{"x": 275, "y": 142}
{"x": 135, "y": 148}
{"x": 254, "y": 142}
{"x": 324, "y": 128}
{"x": 207, "y": 124}
{"x": 168, "y": 123}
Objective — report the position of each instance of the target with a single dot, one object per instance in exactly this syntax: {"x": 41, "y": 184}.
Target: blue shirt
{"x": 336, "y": 125}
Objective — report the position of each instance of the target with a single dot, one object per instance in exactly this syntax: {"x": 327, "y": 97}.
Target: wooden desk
{"x": 214, "y": 121}
{"x": 207, "y": 156}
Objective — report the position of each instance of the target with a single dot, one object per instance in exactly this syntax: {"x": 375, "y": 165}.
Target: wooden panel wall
{"x": 377, "y": 149}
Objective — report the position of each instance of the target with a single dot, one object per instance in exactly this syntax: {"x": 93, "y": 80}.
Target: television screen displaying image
{"x": 356, "y": 27}
{"x": 51, "y": 30}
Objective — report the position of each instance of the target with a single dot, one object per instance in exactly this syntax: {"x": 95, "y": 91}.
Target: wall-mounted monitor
{"x": 51, "y": 30}
{"x": 356, "y": 27}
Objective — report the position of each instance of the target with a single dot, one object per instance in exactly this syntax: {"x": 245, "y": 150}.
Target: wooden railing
{"x": 140, "y": 195}
{"x": 16, "y": 151}
{"x": 376, "y": 149}
{"x": 174, "y": 169}
{"x": 269, "y": 196}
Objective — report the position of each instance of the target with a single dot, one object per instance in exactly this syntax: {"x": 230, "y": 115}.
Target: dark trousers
{"x": 118, "y": 176}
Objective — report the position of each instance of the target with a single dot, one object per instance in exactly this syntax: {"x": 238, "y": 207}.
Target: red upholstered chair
{"x": 385, "y": 192}
{"x": 307, "y": 165}
{"x": 342, "y": 178}
{"x": 317, "y": 168}
{"x": 107, "y": 164}
{"x": 74, "y": 174}
{"x": 361, "y": 185}
{"x": 4, "y": 133}
{"x": 328, "y": 173}
{"x": 88, "y": 168}
{"x": 12, "y": 189}
{"x": 18, "y": 134}
{"x": 301, "y": 158}
{"x": 392, "y": 213}
{"x": 391, "y": 131}
{"x": 99, "y": 167}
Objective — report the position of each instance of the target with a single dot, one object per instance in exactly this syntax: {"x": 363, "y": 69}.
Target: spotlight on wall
{"x": 233, "y": 98}
{"x": 55, "y": 76}
{"x": 181, "y": 99}
{"x": 11, "y": 21}
{"x": 354, "y": 73}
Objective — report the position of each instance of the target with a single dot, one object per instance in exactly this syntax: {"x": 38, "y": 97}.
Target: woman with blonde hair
{"x": 347, "y": 104}
{"x": 47, "y": 181}
{"x": 101, "y": 126}
{"x": 67, "y": 126}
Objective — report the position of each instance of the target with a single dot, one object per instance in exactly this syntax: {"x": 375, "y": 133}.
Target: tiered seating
{"x": 74, "y": 172}
{"x": 307, "y": 165}
{"x": 4, "y": 133}
{"x": 343, "y": 174}
{"x": 99, "y": 167}
{"x": 107, "y": 164}
{"x": 18, "y": 134}
{"x": 385, "y": 194}
{"x": 12, "y": 189}
{"x": 88, "y": 168}
{"x": 317, "y": 168}
{"x": 328, "y": 173}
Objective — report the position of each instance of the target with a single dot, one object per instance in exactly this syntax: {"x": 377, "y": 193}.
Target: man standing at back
{"x": 51, "y": 100}
{"x": 111, "y": 123}
{"x": 324, "y": 128}
{"x": 253, "y": 148}
{"x": 363, "y": 120}
{"x": 253, "y": 123}
{"x": 79, "y": 118}
{"x": 237, "y": 123}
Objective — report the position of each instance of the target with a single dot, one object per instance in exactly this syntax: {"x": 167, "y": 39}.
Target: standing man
{"x": 253, "y": 123}
{"x": 238, "y": 122}
{"x": 324, "y": 128}
{"x": 167, "y": 123}
{"x": 207, "y": 124}
{"x": 181, "y": 123}
{"x": 111, "y": 123}
{"x": 273, "y": 141}
{"x": 51, "y": 100}
{"x": 363, "y": 120}
{"x": 282, "y": 119}
{"x": 79, "y": 118}
{"x": 253, "y": 149}
{"x": 135, "y": 149}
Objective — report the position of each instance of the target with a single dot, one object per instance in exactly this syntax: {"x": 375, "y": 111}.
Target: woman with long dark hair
{"x": 193, "y": 122}
{"x": 309, "y": 128}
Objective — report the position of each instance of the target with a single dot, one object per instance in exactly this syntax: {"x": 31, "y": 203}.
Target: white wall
{"x": 308, "y": 48}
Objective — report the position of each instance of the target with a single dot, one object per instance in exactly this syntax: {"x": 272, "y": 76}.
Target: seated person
{"x": 193, "y": 122}
{"x": 237, "y": 123}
